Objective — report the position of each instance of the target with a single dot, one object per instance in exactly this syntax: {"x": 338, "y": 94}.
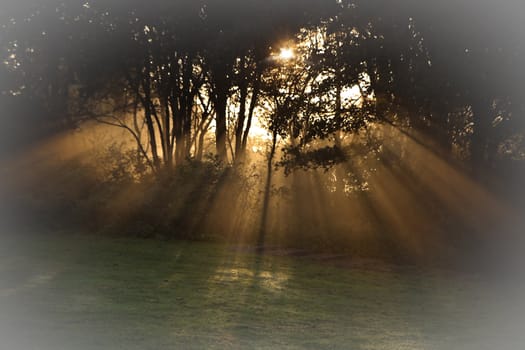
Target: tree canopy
{"x": 184, "y": 66}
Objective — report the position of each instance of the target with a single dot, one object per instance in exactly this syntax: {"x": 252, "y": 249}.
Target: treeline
{"x": 171, "y": 72}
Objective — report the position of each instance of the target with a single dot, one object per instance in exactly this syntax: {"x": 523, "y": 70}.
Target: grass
{"x": 93, "y": 292}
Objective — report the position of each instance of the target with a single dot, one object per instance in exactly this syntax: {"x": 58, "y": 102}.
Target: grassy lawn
{"x": 91, "y": 292}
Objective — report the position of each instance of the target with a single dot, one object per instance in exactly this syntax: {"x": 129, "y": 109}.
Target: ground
{"x": 91, "y": 292}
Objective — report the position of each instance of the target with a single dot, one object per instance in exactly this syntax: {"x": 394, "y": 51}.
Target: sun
{"x": 286, "y": 53}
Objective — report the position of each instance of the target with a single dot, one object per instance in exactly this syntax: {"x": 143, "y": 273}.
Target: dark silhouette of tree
{"x": 170, "y": 67}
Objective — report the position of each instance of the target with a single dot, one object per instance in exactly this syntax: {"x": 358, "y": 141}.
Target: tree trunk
{"x": 240, "y": 121}
{"x": 177, "y": 129}
{"x": 146, "y": 101}
{"x": 253, "y": 104}
{"x": 220, "y": 121}
{"x": 168, "y": 154}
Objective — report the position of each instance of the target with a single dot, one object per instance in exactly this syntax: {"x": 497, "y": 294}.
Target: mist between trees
{"x": 375, "y": 127}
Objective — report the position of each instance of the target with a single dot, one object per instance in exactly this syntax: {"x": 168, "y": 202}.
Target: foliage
{"x": 324, "y": 157}
{"x": 177, "y": 66}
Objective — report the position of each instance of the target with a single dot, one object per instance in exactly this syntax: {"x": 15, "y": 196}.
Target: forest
{"x": 262, "y": 174}
{"x": 368, "y": 127}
